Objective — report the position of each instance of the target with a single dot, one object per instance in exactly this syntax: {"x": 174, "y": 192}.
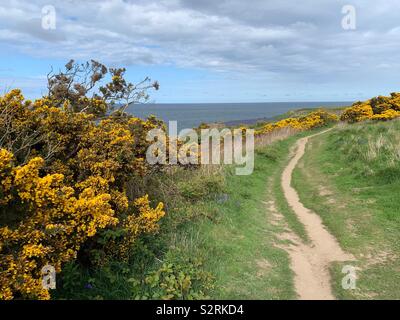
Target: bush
{"x": 65, "y": 162}
{"x": 202, "y": 187}
{"x": 315, "y": 119}
{"x": 378, "y": 108}
{"x": 389, "y": 114}
{"x": 179, "y": 277}
{"x": 358, "y": 112}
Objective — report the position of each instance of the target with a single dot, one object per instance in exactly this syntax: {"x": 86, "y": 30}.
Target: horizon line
{"x": 241, "y": 102}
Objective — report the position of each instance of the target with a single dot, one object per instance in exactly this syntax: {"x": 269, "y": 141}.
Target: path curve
{"x": 310, "y": 263}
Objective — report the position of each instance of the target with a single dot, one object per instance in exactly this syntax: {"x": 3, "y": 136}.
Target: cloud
{"x": 275, "y": 39}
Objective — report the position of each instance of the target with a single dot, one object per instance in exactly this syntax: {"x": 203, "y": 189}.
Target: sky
{"x": 210, "y": 50}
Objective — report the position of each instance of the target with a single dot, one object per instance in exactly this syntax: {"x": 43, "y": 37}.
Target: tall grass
{"x": 372, "y": 149}
{"x": 275, "y": 135}
{"x": 359, "y": 165}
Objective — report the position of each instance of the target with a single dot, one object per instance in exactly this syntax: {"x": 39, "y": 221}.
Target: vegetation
{"x": 76, "y": 193}
{"x": 351, "y": 177}
{"x": 166, "y": 265}
{"x": 309, "y": 121}
{"x": 69, "y": 167}
{"x": 245, "y": 260}
{"x": 378, "y": 108}
{"x": 215, "y": 242}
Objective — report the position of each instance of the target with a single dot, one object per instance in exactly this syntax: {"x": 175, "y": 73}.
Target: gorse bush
{"x": 378, "y": 108}
{"x": 358, "y": 112}
{"x": 66, "y": 161}
{"x": 314, "y": 119}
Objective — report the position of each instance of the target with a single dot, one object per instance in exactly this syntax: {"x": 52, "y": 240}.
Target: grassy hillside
{"x": 351, "y": 177}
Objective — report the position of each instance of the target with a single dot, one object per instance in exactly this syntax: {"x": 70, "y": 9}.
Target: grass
{"x": 165, "y": 265}
{"x": 290, "y": 216}
{"x": 243, "y": 256}
{"x": 218, "y": 231}
{"x": 351, "y": 178}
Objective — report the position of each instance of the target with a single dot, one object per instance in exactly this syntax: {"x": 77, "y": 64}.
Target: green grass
{"x": 244, "y": 238}
{"x": 283, "y": 207}
{"x": 351, "y": 178}
{"x": 217, "y": 231}
{"x": 244, "y": 233}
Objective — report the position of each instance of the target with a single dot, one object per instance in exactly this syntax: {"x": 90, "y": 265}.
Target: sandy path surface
{"x": 310, "y": 263}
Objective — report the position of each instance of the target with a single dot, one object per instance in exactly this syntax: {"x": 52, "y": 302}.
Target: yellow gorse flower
{"x": 312, "y": 120}
{"x": 378, "y": 108}
{"x": 63, "y": 178}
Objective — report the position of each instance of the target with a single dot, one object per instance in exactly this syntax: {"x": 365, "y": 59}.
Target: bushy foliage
{"x": 178, "y": 278}
{"x": 202, "y": 187}
{"x": 65, "y": 163}
{"x": 378, "y": 108}
{"x": 358, "y": 112}
{"x": 76, "y": 88}
{"x": 312, "y": 120}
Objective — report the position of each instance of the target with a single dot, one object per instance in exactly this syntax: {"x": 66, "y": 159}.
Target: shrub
{"x": 65, "y": 162}
{"x": 358, "y": 112}
{"x": 312, "y": 120}
{"x": 388, "y": 114}
{"x": 50, "y": 222}
{"x": 202, "y": 187}
{"x": 179, "y": 277}
{"x": 378, "y": 108}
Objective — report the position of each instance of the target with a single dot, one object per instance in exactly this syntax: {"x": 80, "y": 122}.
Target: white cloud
{"x": 297, "y": 40}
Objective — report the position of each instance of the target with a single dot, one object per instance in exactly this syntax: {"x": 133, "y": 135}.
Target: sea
{"x": 190, "y": 115}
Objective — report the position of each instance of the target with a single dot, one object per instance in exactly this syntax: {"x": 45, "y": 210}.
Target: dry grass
{"x": 275, "y": 135}
{"x": 379, "y": 143}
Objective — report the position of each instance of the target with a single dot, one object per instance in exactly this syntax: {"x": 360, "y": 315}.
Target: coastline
{"x": 291, "y": 113}
{"x": 247, "y": 122}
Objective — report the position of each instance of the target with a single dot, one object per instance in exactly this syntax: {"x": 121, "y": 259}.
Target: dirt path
{"x": 310, "y": 263}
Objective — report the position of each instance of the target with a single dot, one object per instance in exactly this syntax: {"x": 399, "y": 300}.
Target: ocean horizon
{"x": 189, "y": 115}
